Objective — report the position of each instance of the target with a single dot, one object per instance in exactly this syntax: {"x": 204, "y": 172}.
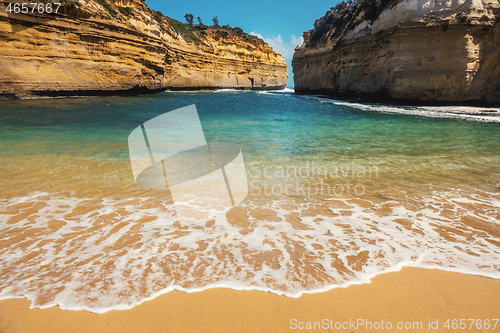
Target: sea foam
{"x": 471, "y": 113}
{"x": 107, "y": 254}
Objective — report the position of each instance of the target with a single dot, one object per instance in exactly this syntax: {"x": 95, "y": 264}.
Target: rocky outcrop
{"x": 422, "y": 50}
{"x": 105, "y": 47}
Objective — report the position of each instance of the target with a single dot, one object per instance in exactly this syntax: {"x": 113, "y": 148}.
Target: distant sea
{"x": 339, "y": 191}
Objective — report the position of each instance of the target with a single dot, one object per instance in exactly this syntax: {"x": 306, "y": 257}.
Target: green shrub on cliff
{"x": 126, "y": 11}
{"x": 343, "y": 17}
{"x": 158, "y": 16}
{"x": 199, "y": 32}
{"x": 194, "y": 33}
{"x": 222, "y": 33}
{"x": 107, "y": 6}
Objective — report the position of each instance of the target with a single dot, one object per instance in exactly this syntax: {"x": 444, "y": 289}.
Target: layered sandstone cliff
{"x": 428, "y": 50}
{"x": 98, "y": 47}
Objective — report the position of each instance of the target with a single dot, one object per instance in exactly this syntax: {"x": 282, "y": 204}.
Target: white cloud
{"x": 286, "y": 49}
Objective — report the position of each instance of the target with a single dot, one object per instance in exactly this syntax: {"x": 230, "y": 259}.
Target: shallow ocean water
{"x": 338, "y": 193}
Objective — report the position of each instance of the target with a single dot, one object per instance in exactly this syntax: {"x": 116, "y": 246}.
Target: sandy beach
{"x": 413, "y": 295}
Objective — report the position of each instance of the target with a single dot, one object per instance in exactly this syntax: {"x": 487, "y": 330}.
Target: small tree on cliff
{"x": 199, "y": 20}
{"x": 216, "y": 21}
{"x": 189, "y": 18}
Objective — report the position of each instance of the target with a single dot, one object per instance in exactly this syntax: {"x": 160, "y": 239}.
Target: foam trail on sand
{"x": 106, "y": 254}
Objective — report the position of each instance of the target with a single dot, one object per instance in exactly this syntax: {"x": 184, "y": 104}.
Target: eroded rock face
{"x": 89, "y": 48}
{"x": 415, "y": 50}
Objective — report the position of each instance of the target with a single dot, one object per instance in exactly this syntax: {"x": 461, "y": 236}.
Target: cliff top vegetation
{"x": 344, "y": 16}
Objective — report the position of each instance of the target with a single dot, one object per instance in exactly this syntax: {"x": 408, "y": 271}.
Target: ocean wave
{"x": 229, "y": 90}
{"x": 286, "y": 91}
{"x": 107, "y": 254}
{"x": 470, "y": 113}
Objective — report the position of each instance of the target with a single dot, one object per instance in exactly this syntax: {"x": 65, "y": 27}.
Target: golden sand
{"x": 411, "y": 295}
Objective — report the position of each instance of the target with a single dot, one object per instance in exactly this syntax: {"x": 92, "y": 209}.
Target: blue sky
{"x": 279, "y": 23}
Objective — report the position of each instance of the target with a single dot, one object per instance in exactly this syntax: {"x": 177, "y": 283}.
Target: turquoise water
{"x": 292, "y": 125}
{"x": 329, "y": 181}
{"x": 271, "y": 128}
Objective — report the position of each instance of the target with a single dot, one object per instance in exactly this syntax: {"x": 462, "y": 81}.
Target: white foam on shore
{"x": 470, "y": 113}
{"x": 286, "y": 91}
{"x": 260, "y": 92}
{"x": 228, "y": 90}
{"x": 119, "y": 253}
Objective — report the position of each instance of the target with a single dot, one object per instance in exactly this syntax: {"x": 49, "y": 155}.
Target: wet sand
{"x": 411, "y": 295}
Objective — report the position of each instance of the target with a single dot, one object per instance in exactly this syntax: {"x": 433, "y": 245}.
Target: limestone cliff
{"x": 100, "y": 47}
{"x": 427, "y": 50}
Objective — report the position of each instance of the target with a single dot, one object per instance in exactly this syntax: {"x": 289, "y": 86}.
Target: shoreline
{"x": 410, "y": 295}
{"x": 346, "y": 97}
{"x": 383, "y": 98}
{"x": 134, "y": 91}
{"x": 237, "y": 287}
